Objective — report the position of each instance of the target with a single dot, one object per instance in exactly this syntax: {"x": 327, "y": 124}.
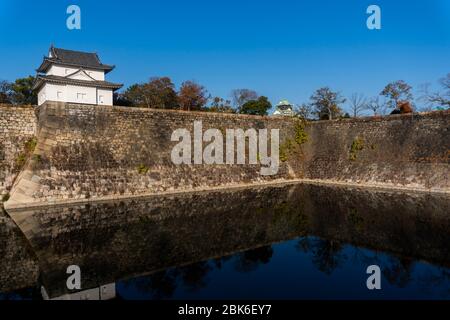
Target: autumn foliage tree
{"x": 137, "y": 96}
{"x": 162, "y": 93}
{"x": 192, "y": 96}
{"x": 158, "y": 92}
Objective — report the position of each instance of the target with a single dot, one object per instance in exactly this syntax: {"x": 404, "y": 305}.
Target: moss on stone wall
{"x": 357, "y": 145}
{"x": 142, "y": 169}
{"x": 288, "y": 147}
{"x": 28, "y": 150}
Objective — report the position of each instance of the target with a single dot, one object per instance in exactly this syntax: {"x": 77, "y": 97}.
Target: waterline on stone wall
{"x": 232, "y": 187}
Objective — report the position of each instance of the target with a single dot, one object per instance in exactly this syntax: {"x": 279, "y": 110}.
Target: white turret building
{"x": 74, "y": 76}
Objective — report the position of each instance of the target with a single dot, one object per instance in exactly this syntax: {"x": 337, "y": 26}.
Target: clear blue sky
{"x": 281, "y": 49}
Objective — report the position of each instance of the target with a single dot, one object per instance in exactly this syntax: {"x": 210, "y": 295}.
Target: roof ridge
{"x": 77, "y": 58}
{"x": 61, "y": 79}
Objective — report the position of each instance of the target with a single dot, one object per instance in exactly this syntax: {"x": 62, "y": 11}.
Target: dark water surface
{"x": 278, "y": 242}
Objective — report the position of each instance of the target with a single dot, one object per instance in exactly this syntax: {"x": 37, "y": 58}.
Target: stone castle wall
{"x": 411, "y": 150}
{"x": 94, "y": 152}
{"x": 17, "y": 126}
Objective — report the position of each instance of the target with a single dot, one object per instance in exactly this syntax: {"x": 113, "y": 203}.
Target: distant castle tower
{"x": 283, "y": 108}
{"x": 74, "y": 76}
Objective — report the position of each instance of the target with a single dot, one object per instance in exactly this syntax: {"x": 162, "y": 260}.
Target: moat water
{"x": 278, "y": 242}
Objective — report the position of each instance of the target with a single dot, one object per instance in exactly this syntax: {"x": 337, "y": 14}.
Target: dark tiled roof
{"x": 73, "y": 58}
{"x": 40, "y": 80}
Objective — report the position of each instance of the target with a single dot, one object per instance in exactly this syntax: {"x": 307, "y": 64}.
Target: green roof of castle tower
{"x": 283, "y": 103}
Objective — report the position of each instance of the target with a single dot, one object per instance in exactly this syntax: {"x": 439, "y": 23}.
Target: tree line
{"x": 160, "y": 92}
{"x": 324, "y": 103}
{"x": 395, "y": 97}
{"x": 18, "y": 92}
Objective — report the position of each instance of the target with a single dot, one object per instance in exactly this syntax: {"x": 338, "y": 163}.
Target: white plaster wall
{"x": 42, "y": 95}
{"x": 79, "y": 94}
{"x": 63, "y": 71}
{"x": 52, "y": 92}
{"x": 97, "y": 75}
{"x": 60, "y": 71}
{"x": 75, "y": 94}
{"x": 105, "y": 97}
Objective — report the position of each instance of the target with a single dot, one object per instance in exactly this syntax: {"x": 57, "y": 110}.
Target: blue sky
{"x": 281, "y": 49}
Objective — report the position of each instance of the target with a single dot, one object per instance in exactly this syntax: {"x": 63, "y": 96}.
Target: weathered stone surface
{"x": 95, "y": 152}
{"x": 411, "y": 150}
{"x": 17, "y": 125}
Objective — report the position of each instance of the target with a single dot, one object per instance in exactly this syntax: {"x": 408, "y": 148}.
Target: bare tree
{"x": 241, "y": 96}
{"x": 438, "y": 99}
{"x": 424, "y": 90}
{"x": 5, "y": 91}
{"x": 305, "y": 111}
{"x": 358, "y": 103}
{"x": 326, "y": 103}
{"x": 376, "y": 106}
{"x": 396, "y": 92}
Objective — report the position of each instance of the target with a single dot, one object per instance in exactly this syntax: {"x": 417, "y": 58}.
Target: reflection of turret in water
{"x": 105, "y": 292}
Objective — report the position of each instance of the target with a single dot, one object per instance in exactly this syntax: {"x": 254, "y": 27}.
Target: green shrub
{"x": 142, "y": 169}
{"x": 30, "y": 145}
{"x": 357, "y": 145}
{"x": 300, "y": 137}
{"x": 285, "y": 149}
{"x": 5, "y": 197}
{"x": 300, "y": 134}
{"x": 20, "y": 160}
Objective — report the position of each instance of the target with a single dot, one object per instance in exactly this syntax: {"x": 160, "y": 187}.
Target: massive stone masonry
{"x": 92, "y": 152}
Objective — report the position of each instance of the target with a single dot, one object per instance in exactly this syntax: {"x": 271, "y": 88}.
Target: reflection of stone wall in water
{"x": 18, "y": 268}
{"x": 145, "y": 235}
{"x": 96, "y": 152}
